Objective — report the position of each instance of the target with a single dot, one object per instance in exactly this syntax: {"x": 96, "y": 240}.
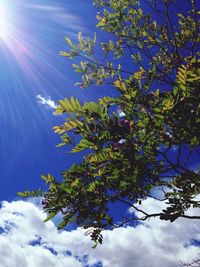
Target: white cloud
{"x": 21, "y": 225}
{"x": 47, "y": 102}
{"x": 120, "y": 112}
{"x": 26, "y": 241}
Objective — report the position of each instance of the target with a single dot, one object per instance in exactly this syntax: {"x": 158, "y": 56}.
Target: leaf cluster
{"x": 129, "y": 139}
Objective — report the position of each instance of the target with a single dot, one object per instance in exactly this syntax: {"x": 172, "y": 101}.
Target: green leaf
{"x": 83, "y": 144}
{"x": 92, "y": 186}
{"x": 48, "y": 178}
{"x": 33, "y": 193}
{"x": 175, "y": 91}
{"x": 50, "y": 216}
{"x": 69, "y": 42}
{"x": 168, "y": 103}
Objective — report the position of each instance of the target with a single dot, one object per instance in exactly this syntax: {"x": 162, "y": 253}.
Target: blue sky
{"x": 30, "y": 65}
{"x": 32, "y": 78}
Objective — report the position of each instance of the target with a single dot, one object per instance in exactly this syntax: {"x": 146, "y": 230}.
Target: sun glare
{"x": 25, "y": 31}
{"x": 3, "y": 19}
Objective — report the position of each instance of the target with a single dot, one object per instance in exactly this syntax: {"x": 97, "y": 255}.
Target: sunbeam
{"x": 4, "y": 22}
{"x": 30, "y": 32}
{"x": 31, "y": 36}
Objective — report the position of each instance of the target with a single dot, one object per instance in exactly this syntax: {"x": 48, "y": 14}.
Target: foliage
{"x": 194, "y": 263}
{"x": 144, "y": 137}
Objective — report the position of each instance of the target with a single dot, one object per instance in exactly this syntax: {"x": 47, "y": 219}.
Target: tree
{"x": 194, "y": 263}
{"x": 148, "y": 134}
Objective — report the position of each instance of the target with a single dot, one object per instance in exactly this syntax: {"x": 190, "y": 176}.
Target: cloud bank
{"x": 26, "y": 241}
